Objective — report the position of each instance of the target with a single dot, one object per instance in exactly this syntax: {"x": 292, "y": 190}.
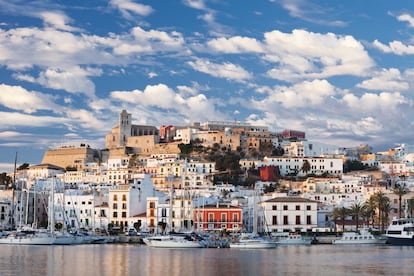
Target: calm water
{"x": 119, "y": 259}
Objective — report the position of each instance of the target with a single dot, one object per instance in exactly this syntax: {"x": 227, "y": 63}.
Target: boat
{"x": 27, "y": 236}
{"x": 361, "y": 237}
{"x": 400, "y": 231}
{"x": 293, "y": 239}
{"x": 172, "y": 241}
{"x": 251, "y": 241}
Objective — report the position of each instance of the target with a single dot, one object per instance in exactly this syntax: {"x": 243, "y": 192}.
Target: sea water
{"x": 133, "y": 259}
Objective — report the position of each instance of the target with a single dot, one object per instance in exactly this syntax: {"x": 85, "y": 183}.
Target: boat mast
{"x": 12, "y": 222}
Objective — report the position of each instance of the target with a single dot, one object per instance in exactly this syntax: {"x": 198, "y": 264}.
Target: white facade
{"x": 290, "y": 214}
{"x": 129, "y": 200}
{"x": 309, "y": 149}
{"x": 294, "y": 165}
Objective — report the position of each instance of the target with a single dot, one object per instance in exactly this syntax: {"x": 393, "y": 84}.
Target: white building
{"x": 283, "y": 214}
{"x": 294, "y": 165}
{"x": 309, "y": 149}
{"x": 126, "y": 201}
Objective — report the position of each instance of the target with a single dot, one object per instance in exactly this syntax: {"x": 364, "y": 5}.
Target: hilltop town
{"x": 209, "y": 177}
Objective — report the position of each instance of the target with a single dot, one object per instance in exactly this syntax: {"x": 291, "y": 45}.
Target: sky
{"x": 341, "y": 71}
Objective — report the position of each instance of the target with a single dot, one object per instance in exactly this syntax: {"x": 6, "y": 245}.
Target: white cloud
{"x": 385, "y": 80}
{"x": 302, "y": 54}
{"x": 57, "y": 20}
{"x": 394, "y": 47}
{"x": 226, "y": 70}
{"x": 309, "y": 12}
{"x": 235, "y": 45}
{"x": 192, "y": 106}
{"x": 405, "y": 17}
{"x": 306, "y": 94}
{"x": 384, "y": 104}
{"x": 15, "y": 119}
{"x": 18, "y": 98}
{"x": 128, "y": 8}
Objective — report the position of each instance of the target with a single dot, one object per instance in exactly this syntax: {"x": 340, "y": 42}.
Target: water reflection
{"x": 117, "y": 259}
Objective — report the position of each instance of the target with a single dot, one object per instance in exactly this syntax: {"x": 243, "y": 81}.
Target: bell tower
{"x": 125, "y": 127}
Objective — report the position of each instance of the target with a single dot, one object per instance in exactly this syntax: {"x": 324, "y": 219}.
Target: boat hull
{"x": 400, "y": 241}
{"x": 28, "y": 241}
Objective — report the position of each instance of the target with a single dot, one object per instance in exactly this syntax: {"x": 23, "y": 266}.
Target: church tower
{"x": 125, "y": 127}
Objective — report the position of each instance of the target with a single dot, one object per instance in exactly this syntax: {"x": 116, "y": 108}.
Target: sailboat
{"x": 173, "y": 240}
{"x": 27, "y": 235}
{"x": 253, "y": 240}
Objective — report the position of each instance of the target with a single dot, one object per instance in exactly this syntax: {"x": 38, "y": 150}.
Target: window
{"x": 210, "y": 217}
{"x": 235, "y": 217}
{"x": 115, "y": 214}
{"x": 274, "y": 220}
{"x": 285, "y": 220}
{"x": 124, "y": 214}
{"x": 123, "y": 197}
{"x": 223, "y": 217}
{"x": 124, "y": 206}
{"x": 297, "y": 207}
{"x": 285, "y": 207}
{"x": 308, "y": 207}
{"x": 308, "y": 220}
{"x": 115, "y": 197}
{"x": 297, "y": 219}
{"x": 152, "y": 205}
{"x": 274, "y": 207}
{"x": 115, "y": 206}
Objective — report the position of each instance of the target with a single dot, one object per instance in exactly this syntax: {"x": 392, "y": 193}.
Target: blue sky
{"x": 342, "y": 71}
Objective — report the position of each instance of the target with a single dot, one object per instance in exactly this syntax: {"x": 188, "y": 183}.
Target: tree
{"x": 356, "y": 211}
{"x": 369, "y": 210}
{"x": 410, "y": 203}
{"x": 400, "y": 191}
{"x": 339, "y": 212}
{"x": 383, "y": 203}
{"x": 306, "y": 167}
{"x": 23, "y": 166}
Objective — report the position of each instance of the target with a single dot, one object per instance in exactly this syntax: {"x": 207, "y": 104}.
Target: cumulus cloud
{"x": 225, "y": 70}
{"x": 303, "y": 54}
{"x": 394, "y": 47}
{"x": 18, "y": 98}
{"x": 128, "y": 8}
{"x": 235, "y": 45}
{"x": 73, "y": 80}
{"x": 195, "y": 106}
{"x": 306, "y": 94}
{"x": 385, "y": 80}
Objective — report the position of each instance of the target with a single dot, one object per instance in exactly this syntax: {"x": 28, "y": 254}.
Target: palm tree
{"x": 356, "y": 211}
{"x": 383, "y": 207}
{"x": 410, "y": 203}
{"x": 369, "y": 210}
{"x": 335, "y": 214}
{"x": 342, "y": 213}
{"x": 400, "y": 191}
{"x": 385, "y": 213}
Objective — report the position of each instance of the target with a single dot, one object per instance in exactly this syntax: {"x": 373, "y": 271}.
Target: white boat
{"x": 293, "y": 239}
{"x": 401, "y": 232}
{"x": 247, "y": 241}
{"x": 28, "y": 237}
{"x": 362, "y": 237}
{"x": 172, "y": 241}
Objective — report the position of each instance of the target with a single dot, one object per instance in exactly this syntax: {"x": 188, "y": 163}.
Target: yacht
{"x": 249, "y": 241}
{"x": 28, "y": 237}
{"x": 293, "y": 239}
{"x": 172, "y": 241}
{"x": 361, "y": 237}
{"x": 401, "y": 231}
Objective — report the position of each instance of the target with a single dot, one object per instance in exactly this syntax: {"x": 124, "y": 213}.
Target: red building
{"x": 268, "y": 173}
{"x": 218, "y": 217}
